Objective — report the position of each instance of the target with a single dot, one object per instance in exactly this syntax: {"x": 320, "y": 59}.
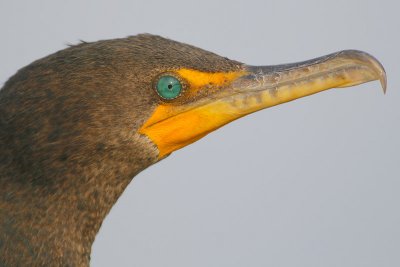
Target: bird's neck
{"x": 56, "y": 224}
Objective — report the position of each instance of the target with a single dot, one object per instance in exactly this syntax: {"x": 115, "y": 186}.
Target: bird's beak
{"x": 254, "y": 88}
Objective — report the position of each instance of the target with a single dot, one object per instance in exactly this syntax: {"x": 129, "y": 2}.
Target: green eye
{"x": 169, "y": 87}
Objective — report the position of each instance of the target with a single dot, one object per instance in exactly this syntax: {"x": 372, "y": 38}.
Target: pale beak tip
{"x": 379, "y": 70}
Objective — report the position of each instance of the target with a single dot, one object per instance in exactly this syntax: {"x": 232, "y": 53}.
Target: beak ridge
{"x": 342, "y": 69}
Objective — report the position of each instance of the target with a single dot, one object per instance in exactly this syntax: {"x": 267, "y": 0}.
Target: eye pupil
{"x": 168, "y": 87}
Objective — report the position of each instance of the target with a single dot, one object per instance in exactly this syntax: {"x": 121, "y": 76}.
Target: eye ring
{"x": 169, "y": 86}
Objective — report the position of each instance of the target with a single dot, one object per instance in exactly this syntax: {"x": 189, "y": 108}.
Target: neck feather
{"x": 53, "y": 219}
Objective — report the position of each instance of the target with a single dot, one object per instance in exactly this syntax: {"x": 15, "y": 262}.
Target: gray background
{"x": 314, "y": 182}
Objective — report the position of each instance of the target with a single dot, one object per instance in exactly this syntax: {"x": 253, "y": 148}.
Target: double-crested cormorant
{"x": 78, "y": 125}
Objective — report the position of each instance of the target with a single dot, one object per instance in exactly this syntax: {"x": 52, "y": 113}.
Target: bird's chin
{"x": 254, "y": 88}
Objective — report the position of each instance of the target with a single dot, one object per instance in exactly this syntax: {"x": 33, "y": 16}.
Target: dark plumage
{"x": 70, "y": 140}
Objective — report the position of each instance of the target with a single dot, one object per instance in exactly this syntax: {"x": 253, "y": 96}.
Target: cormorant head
{"x": 145, "y": 96}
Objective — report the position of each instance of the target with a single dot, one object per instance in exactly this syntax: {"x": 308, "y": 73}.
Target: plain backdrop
{"x": 314, "y": 182}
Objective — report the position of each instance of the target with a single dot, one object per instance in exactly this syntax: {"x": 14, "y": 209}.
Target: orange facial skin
{"x": 172, "y": 126}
